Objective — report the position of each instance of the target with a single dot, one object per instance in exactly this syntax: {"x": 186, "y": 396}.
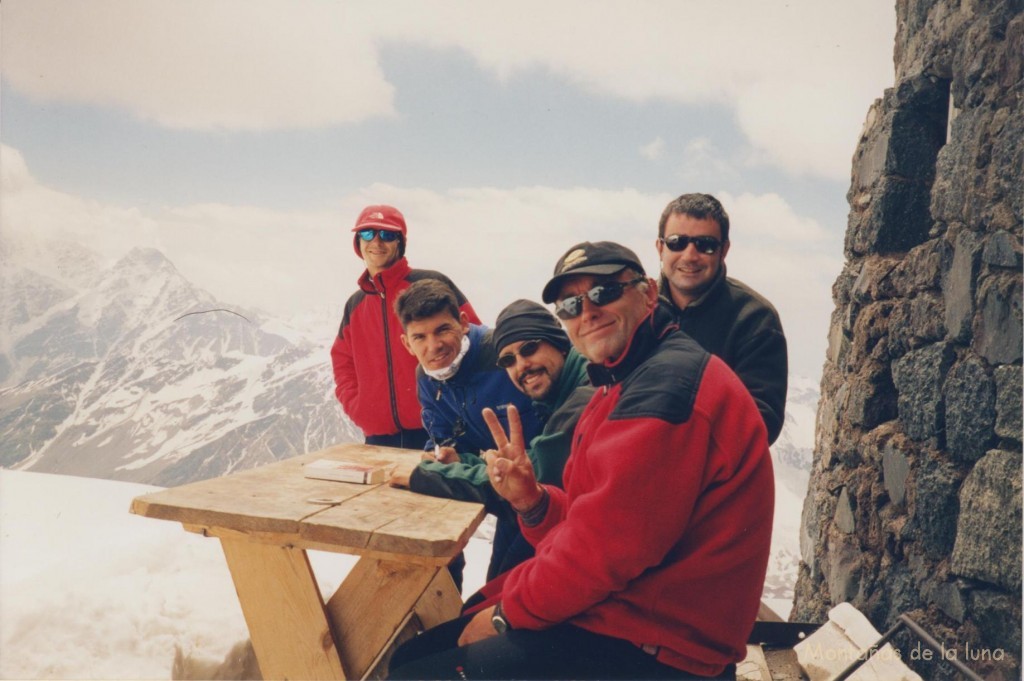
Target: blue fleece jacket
{"x": 452, "y": 409}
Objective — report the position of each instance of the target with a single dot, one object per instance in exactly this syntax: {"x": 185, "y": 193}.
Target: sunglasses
{"x": 705, "y": 244}
{"x": 601, "y": 295}
{"x": 525, "y": 350}
{"x": 386, "y": 235}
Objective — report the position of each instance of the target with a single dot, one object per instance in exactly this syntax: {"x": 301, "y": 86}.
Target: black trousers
{"x": 403, "y": 439}
{"x": 561, "y": 652}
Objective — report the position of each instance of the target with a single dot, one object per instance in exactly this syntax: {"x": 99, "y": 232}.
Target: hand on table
{"x": 401, "y": 473}
{"x": 443, "y": 455}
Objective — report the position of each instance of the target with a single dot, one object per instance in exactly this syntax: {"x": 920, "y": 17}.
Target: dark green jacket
{"x": 739, "y": 325}
{"x": 467, "y": 481}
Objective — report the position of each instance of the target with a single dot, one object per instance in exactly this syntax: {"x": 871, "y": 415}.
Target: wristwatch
{"x": 498, "y": 620}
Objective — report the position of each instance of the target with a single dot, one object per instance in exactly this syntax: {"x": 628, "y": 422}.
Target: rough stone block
{"x": 988, "y": 537}
{"x": 958, "y": 284}
{"x": 874, "y": 281}
{"x": 844, "y": 569}
{"x": 1002, "y": 249}
{"x": 936, "y": 505}
{"x": 1007, "y": 151}
{"x": 871, "y": 325}
{"x": 918, "y": 377}
{"x": 914, "y": 323}
{"x": 998, "y": 336}
{"x": 921, "y": 106}
{"x": 895, "y": 221}
{"x": 1008, "y": 402}
{"x": 844, "y": 513}
{"x": 843, "y": 284}
{"x": 895, "y": 469}
{"x": 970, "y": 410}
{"x": 870, "y": 159}
{"x": 954, "y": 192}
{"x": 998, "y": 618}
{"x": 838, "y": 342}
{"x": 950, "y": 600}
{"x": 922, "y": 268}
{"x": 809, "y": 535}
{"x": 872, "y": 398}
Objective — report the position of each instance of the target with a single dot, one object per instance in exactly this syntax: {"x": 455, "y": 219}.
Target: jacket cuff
{"x": 535, "y": 515}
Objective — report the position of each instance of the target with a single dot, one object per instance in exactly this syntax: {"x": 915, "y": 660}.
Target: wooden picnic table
{"x": 268, "y": 517}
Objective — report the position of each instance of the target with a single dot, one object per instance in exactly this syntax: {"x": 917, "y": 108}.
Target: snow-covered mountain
{"x": 104, "y": 373}
{"x": 791, "y": 456}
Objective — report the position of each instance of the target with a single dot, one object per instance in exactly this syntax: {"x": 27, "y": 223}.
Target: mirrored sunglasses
{"x": 525, "y": 350}
{"x": 704, "y": 244}
{"x": 386, "y": 235}
{"x": 601, "y": 295}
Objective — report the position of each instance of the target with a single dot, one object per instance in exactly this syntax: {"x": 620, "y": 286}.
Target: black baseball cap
{"x": 601, "y": 257}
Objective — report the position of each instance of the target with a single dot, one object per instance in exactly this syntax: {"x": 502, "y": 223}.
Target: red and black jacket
{"x": 662, "y": 534}
{"x": 374, "y": 375}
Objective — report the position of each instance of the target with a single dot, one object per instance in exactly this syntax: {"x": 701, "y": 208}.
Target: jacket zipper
{"x": 387, "y": 355}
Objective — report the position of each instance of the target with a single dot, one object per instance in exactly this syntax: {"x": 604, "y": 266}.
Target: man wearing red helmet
{"x": 374, "y": 375}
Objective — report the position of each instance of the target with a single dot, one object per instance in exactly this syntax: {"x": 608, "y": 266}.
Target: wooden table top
{"x": 275, "y": 503}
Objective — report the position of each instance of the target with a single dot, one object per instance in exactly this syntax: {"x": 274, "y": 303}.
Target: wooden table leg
{"x": 284, "y": 611}
{"x": 376, "y": 601}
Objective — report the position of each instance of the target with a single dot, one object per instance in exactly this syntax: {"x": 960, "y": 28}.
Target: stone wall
{"x": 914, "y": 504}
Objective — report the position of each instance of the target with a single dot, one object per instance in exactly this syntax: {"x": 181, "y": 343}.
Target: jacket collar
{"x": 648, "y": 334}
{"x": 385, "y": 280}
{"x": 568, "y": 381}
{"x": 469, "y": 362}
{"x": 711, "y": 293}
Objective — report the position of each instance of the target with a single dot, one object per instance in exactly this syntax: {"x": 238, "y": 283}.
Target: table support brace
{"x": 284, "y": 611}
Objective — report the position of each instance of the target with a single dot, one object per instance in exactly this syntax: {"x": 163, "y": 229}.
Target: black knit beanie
{"x": 526, "y": 320}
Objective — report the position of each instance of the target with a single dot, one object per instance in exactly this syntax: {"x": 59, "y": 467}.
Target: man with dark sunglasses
{"x": 374, "y": 376}
{"x": 539, "y": 360}
{"x": 724, "y": 315}
{"x": 651, "y": 561}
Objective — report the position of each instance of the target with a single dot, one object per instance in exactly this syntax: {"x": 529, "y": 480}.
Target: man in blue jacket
{"x": 539, "y": 359}
{"x": 457, "y": 378}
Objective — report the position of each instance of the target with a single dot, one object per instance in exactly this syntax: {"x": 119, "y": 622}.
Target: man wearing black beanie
{"x": 539, "y": 359}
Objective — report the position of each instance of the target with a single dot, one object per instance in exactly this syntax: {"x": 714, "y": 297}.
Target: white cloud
{"x": 30, "y": 211}
{"x": 769, "y": 219}
{"x": 654, "y": 150}
{"x": 800, "y": 75}
{"x": 497, "y": 244}
{"x": 195, "y": 64}
{"x": 704, "y": 165}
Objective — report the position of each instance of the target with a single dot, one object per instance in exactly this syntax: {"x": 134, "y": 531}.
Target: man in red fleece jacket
{"x": 651, "y": 562}
{"x": 374, "y": 375}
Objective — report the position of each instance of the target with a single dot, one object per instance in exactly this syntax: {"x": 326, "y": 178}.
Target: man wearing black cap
{"x": 539, "y": 360}
{"x": 374, "y": 376}
{"x": 650, "y": 563}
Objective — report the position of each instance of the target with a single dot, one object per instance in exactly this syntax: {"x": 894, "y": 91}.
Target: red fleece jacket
{"x": 662, "y": 534}
{"x": 374, "y": 375}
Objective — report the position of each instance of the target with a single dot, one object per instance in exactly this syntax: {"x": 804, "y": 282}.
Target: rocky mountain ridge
{"x": 104, "y": 373}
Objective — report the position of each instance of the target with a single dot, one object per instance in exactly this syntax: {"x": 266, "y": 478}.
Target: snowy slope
{"x": 89, "y": 591}
{"x": 101, "y": 375}
{"x": 791, "y": 457}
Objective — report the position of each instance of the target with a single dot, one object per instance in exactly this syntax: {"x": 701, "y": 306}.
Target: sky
{"x": 243, "y": 138}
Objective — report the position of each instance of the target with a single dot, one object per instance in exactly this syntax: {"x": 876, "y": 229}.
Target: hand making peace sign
{"x": 508, "y": 466}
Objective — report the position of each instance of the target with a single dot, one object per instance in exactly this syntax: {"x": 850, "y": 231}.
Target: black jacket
{"x": 736, "y": 323}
